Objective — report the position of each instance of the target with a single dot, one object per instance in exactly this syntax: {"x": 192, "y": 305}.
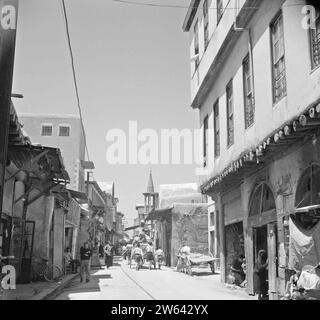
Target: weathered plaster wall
{"x": 282, "y": 176}
{"x": 58, "y": 237}
{"x": 189, "y": 227}
{"x": 41, "y": 212}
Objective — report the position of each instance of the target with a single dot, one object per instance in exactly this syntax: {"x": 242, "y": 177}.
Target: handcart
{"x": 199, "y": 259}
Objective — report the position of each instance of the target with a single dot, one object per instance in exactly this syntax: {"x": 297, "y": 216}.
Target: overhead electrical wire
{"x": 149, "y": 4}
{"x": 66, "y": 22}
{"x": 74, "y": 75}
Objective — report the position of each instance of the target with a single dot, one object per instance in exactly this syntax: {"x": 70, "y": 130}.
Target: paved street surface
{"x": 122, "y": 283}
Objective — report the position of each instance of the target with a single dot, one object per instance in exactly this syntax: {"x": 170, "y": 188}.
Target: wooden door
{"x": 273, "y": 261}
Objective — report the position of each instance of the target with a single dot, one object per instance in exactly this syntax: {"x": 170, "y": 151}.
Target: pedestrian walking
{"x": 108, "y": 254}
{"x": 85, "y": 256}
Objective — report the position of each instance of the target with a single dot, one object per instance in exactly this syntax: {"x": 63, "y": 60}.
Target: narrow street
{"x": 122, "y": 283}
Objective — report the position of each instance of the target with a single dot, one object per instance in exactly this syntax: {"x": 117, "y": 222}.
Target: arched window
{"x": 307, "y": 200}
{"x": 262, "y": 200}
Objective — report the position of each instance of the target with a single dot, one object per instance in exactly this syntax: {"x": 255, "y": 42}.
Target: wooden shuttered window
{"x": 216, "y": 125}
{"x": 315, "y": 41}
{"x": 249, "y": 107}
{"x": 278, "y": 60}
{"x": 230, "y": 117}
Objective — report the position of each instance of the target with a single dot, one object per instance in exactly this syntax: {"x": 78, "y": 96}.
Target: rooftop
{"x": 53, "y": 116}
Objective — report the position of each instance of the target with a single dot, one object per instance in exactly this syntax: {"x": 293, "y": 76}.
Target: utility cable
{"x": 74, "y": 74}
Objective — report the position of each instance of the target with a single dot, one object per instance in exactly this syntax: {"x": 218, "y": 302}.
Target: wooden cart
{"x": 199, "y": 259}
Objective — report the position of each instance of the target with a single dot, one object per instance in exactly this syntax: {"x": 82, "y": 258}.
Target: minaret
{"x": 150, "y": 197}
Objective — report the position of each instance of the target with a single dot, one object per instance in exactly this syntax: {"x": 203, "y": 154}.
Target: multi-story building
{"x": 65, "y": 132}
{"x": 255, "y": 79}
{"x": 33, "y": 213}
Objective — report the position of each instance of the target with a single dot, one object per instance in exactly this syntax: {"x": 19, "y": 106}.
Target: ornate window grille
{"x": 278, "y": 60}
{"x": 230, "y": 118}
{"x": 216, "y": 129}
{"x": 315, "y": 42}
{"x": 249, "y": 106}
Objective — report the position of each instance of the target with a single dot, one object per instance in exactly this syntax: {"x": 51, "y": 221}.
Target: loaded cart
{"x": 199, "y": 259}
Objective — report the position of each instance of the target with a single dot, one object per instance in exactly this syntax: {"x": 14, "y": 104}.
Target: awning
{"x": 38, "y": 159}
{"x": 131, "y": 228}
{"x": 17, "y": 135}
{"x": 159, "y": 214}
{"x": 84, "y": 207}
{"x": 78, "y": 194}
{"x": 308, "y": 208}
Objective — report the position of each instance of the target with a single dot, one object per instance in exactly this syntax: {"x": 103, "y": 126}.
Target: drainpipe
{"x": 250, "y": 49}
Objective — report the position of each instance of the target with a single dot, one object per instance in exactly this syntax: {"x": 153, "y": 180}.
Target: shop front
{"x": 262, "y": 234}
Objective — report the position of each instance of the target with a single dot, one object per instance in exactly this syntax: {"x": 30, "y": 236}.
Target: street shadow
{"x": 116, "y": 264}
{"x": 101, "y": 276}
{"x": 202, "y": 273}
{"x": 81, "y": 288}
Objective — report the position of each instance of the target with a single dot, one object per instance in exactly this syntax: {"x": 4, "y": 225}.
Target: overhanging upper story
{"x": 257, "y": 77}
{"x": 212, "y": 27}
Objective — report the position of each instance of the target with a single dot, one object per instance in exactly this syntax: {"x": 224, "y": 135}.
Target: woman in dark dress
{"x": 260, "y": 275}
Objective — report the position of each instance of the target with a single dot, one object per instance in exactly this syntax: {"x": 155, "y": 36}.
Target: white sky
{"x": 132, "y": 63}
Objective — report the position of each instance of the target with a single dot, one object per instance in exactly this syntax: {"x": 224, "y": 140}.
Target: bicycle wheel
{"x": 189, "y": 268}
{"x": 52, "y": 273}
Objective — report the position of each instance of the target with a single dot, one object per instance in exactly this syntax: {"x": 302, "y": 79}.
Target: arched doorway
{"x": 263, "y": 223}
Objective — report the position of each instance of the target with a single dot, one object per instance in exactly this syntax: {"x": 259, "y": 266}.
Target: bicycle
{"x": 45, "y": 270}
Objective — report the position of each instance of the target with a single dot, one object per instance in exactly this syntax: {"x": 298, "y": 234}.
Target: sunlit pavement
{"x": 119, "y": 282}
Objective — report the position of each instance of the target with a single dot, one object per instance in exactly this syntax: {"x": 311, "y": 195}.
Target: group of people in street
{"x": 141, "y": 250}
{"x": 237, "y": 275}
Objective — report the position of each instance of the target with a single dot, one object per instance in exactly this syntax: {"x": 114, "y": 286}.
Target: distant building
{"x": 64, "y": 132}
{"x": 182, "y": 219}
{"x": 141, "y": 211}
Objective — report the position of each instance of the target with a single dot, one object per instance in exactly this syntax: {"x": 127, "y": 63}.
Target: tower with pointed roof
{"x": 151, "y": 198}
